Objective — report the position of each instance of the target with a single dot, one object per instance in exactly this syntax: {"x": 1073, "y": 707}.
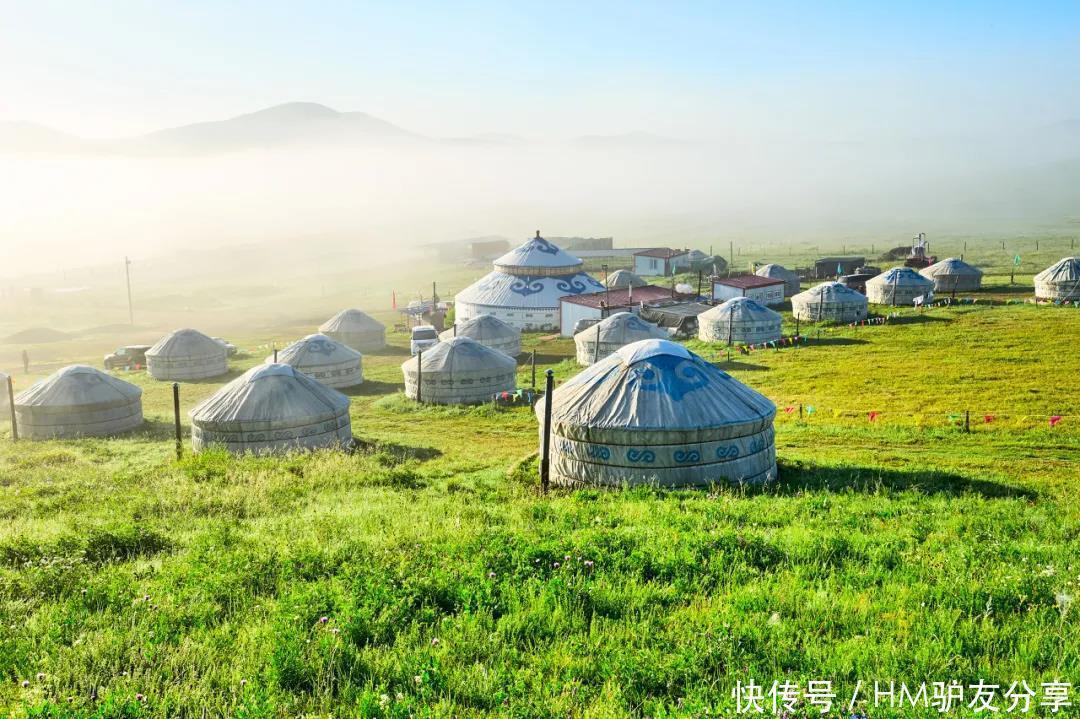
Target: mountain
{"x": 293, "y": 123}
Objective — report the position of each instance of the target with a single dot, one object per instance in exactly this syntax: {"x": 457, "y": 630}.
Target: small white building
{"x": 598, "y": 305}
{"x": 662, "y": 261}
{"x": 764, "y": 290}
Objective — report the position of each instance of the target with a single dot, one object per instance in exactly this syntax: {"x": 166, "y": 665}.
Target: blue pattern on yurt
{"x": 674, "y": 376}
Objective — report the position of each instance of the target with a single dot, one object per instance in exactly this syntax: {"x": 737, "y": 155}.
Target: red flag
{"x": 988, "y": 418}
{"x": 789, "y": 409}
{"x": 872, "y": 416}
{"x": 1055, "y": 419}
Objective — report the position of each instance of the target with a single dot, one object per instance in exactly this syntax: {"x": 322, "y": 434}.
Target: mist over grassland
{"x": 274, "y": 180}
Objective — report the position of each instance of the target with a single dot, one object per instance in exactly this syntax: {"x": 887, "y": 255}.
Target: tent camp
{"x": 324, "y": 359}
{"x": 953, "y": 275}
{"x": 829, "y": 301}
{"x": 524, "y": 288}
{"x": 78, "y": 401}
{"x": 898, "y": 286}
{"x": 740, "y": 320}
{"x": 779, "y": 272}
{"x": 621, "y": 279}
{"x": 654, "y": 412}
{"x": 185, "y": 355}
{"x": 489, "y": 331}
{"x": 460, "y": 370}
{"x": 355, "y": 329}
{"x": 620, "y": 329}
{"x": 1060, "y": 281}
{"x": 272, "y": 408}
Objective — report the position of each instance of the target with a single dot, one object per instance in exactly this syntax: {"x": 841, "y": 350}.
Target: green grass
{"x": 900, "y": 549}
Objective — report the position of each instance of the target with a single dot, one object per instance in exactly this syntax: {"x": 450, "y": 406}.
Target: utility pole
{"x": 127, "y": 274}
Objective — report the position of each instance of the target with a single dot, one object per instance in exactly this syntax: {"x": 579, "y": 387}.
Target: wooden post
{"x": 800, "y": 410}
{"x": 967, "y": 420}
{"x": 532, "y": 361}
{"x": 596, "y": 347}
{"x": 176, "y": 419}
{"x": 11, "y": 407}
{"x": 419, "y": 374}
{"x": 275, "y": 355}
{"x": 545, "y": 455}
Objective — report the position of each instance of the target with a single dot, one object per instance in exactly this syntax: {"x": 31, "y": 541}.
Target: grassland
{"x": 900, "y": 549}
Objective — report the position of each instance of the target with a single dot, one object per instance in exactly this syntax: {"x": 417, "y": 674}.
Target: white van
{"x": 423, "y": 337}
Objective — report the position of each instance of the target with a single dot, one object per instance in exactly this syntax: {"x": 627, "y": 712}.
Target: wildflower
{"x": 25, "y": 683}
{"x": 491, "y": 575}
{"x": 774, "y": 618}
{"x": 418, "y": 679}
{"x": 41, "y": 676}
{"x": 335, "y": 630}
{"x": 140, "y": 697}
{"x": 566, "y": 558}
{"x": 589, "y": 563}
{"x": 146, "y": 598}
{"x": 243, "y": 682}
{"x": 1049, "y": 571}
{"x": 1063, "y": 601}
{"x": 384, "y": 699}
{"x": 434, "y": 641}
{"x": 399, "y": 696}
{"x": 84, "y": 592}
{"x": 323, "y": 620}
{"x": 555, "y": 565}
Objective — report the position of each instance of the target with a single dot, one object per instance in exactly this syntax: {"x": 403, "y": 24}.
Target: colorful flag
{"x": 789, "y": 409}
{"x": 872, "y": 416}
{"x": 810, "y": 409}
{"x": 1055, "y": 419}
{"x": 988, "y": 418}
{"x": 1016, "y": 261}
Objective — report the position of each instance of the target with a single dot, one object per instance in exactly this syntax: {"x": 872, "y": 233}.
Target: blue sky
{"x": 824, "y": 70}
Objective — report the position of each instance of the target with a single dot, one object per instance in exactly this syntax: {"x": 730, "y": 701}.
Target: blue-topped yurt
{"x": 524, "y": 288}
{"x": 655, "y": 413}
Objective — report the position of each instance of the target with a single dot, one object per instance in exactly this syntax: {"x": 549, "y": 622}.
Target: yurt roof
{"x": 78, "y": 385}
{"x": 500, "y": 289}
{"x": 270, "y": 392}
{"x": 621, "y": 279}
{"x": 461, "y": 354}
{"x": 740, "y": 309}
{"x": 537, "y": 253}
{"x": 900, "y": 277}
{"x": 351, "y": 320}
{"x": 776, "y": 271}
{"x": 657, "y": 385}
{"x": 624, "y": 327}
{"x": 831, "y": 292}
{"x": 483, "y": 327}
{"x": 1066, "y": 269}
{"x": 186, "y": 343}
{"x": 951, "y": 266}
{"x": 315, "y": 350}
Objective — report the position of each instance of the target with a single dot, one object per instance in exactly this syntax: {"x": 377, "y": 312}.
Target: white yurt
{"x": 622, "y": 279}
{"x": 460, "y": 370}
{"x": 355, "y": 329}
{"x": 272, "y": 408}
{"x": 654, "y": 412}
{"x": 896, "y": 287}
{"x": 186, "y": 354}
{"x": 1060, "y": 281}
{"x": 774, "y": 271}
{"x": 524, "y": 288}
{"x": 324, "y": 359}
{"x": 78, "y": 401}
{"x": 620, "y": 329}
{"x": 489, "y": 331}
{"x": 740, "y": 320}
{"x": 829, "y": 301}
{"x": 953, "y": 274}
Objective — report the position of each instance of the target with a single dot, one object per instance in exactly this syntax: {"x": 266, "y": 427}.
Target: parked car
{"x": 423, "y": 337}
{"x": 230, "y": 348}
{"x": 127, "y": 356}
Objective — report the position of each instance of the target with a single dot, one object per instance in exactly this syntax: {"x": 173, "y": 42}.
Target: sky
{"x": 841, "y": 70}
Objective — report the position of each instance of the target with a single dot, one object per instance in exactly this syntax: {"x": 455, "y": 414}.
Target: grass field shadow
{"x": 390, "y": 351}
{"x": 799, "y": 477}
{"x": 921, "y": 319}
{"x": 739, "y": 366}
{"x": 373, "y": 388}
